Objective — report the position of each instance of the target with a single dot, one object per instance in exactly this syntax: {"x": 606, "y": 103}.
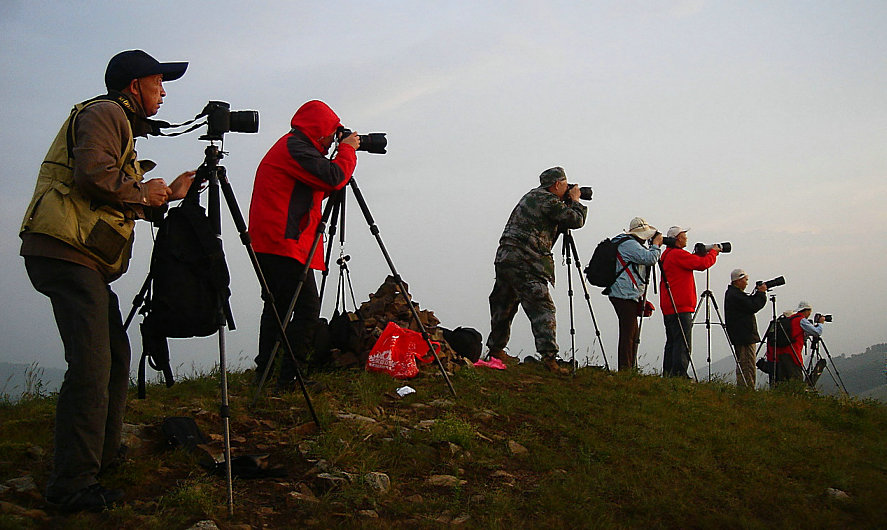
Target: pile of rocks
{"x": 386, "y": 305}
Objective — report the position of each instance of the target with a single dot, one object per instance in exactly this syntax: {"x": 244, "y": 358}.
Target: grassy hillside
{"x": 519, "y": 448}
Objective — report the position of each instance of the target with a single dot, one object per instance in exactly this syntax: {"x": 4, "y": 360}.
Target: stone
{"x": 22, "y": 484}
{"x": 445, "y": 481}
{"x": 357, "y": 418}
{"x": 517, "y": 449}
{"x": 207, "y": 524}
{"x": 837, "y": 494}
{"x": 379, "y": 482}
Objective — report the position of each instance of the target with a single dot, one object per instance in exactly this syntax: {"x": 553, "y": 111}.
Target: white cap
{"x": 803, "y": 304}
{"x": 737, "y": 274}
{"x": 675, "y": 230}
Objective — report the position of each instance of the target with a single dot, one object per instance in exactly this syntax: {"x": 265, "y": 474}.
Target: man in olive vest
{"x": 77, "y": 237}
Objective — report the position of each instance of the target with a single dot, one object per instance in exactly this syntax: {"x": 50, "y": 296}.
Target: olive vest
{"x": 60, "y": 209}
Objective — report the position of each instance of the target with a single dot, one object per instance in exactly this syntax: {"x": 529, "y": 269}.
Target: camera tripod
{"x": 815, "y": 370}
{"x": 336, "y": 202}
{"x": 215, "y": 176}
{"x": 710, "y": 302}
{"x": 571, "y": 256}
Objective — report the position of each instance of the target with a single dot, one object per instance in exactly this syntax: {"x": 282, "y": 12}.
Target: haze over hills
{"x": 864, "y": 374}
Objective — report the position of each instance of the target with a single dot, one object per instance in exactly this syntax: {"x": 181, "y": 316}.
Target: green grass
{"x": 603, "y": 450}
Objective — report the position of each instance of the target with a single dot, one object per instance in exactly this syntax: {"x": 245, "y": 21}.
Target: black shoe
{"x": 94, "y": 498}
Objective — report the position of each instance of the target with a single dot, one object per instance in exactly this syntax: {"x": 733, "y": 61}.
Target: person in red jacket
{"x": 292, "y": 181}
{"x": 789, "y": 360}
{"x": 677, "y": 298}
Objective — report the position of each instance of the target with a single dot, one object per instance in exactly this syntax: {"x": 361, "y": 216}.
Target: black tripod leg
{"x": 137, "y": 301}
{"x": 239, "y": 222}
{"x": 597, "y": 330}
{"x": 329, "y": 246}
{"x": 375, "y": 231}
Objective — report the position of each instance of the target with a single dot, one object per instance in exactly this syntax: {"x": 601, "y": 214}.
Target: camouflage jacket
{"x": 532, "y": 230}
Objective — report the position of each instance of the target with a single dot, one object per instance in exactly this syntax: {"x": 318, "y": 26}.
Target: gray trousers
{"x": 92, "y": 399}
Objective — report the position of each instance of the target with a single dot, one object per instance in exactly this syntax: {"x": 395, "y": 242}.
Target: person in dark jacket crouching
{"x": 291, "y": 183}
{"x": 742, "y": 328}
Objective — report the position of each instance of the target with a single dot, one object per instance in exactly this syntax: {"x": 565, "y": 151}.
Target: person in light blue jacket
{"x": 633, "y": 263}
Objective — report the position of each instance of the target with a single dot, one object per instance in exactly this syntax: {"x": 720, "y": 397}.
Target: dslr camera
{"x": 585, "y": 192}
{"x": 371, "y": 143}
{"x": 827, "y": 318}
{"x": 221, "y": 119}
{"x": 701, "y": 249}
{"x": 775, "y": 282}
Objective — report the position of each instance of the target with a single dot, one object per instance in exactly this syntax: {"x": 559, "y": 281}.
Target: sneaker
{"x": 93, "y": 498}
{"x": 552, "y": 366}
{"x": 504, "y": 357}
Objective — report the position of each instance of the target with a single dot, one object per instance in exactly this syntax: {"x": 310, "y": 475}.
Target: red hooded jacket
{"x": 292, "y": 181}
{"x": 678, "y": 266}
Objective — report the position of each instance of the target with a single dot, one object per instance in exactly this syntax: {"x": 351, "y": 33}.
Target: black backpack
{"x": 783, "y": 332}
{"x": 189, "y": 286}
{"x": 601, "y": 269}
{"x": 467, "y": 342}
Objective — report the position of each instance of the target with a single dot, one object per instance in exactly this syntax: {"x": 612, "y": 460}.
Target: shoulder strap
{"x": 116, "y": 97}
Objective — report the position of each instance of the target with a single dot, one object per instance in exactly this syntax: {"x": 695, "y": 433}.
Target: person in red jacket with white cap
{"x": 291, "y": 183}
{"x": 677, "y": 297}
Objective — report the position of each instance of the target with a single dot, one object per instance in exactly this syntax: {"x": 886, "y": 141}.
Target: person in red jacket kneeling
{"x": 677, "y": 297}
{"x": 292, "y": 181}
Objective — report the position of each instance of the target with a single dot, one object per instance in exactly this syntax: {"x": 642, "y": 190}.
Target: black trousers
{"x": 92, "y": 398}
{"x": 282, "y": 274}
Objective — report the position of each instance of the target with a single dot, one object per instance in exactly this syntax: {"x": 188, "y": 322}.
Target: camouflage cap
{"x": 552, "y": 175}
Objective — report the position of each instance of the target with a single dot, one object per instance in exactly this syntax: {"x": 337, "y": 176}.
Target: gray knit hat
{"x": 552, "y": 175}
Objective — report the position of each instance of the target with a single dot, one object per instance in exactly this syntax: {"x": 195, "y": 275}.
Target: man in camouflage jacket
{"x": 525, "y": 266}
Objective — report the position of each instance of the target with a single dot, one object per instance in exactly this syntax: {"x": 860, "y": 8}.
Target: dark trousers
{"x": 787, "y": 370}
{"x": 282, "y": 275}
{"x": 92, "y": 398}
{"x": 678, "y": 338}
{"x": 627, "y": 312}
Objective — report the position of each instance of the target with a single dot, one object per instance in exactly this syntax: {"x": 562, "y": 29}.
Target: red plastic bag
{"x": 396, "y": 351}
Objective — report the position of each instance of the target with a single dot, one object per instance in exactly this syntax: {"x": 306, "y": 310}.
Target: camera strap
{"x": 157, "y": 125}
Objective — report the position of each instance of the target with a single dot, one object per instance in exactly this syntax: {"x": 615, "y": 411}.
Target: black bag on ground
{"x": 189, "y": 286}
{"x": 467, "y": 342}
{"x": 601, "y": 269}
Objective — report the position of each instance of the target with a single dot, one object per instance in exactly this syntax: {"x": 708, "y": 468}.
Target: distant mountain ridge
{"x": 864, "y": 374}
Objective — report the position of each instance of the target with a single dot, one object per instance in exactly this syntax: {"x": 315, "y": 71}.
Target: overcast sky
{"x": 759, "y": 123}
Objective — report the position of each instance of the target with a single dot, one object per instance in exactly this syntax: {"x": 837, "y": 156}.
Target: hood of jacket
{"x": 316, "y": 120}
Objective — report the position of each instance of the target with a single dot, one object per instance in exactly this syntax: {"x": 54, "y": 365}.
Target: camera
{"x": 775, "y": 282}
{"x": 828, "y": 318}
{"x": 701, "y": 249}
{"x": 371, "y": 143}
{"x": 669, "y": 241}
{"x": 585, "y": 192}
{"x": 221, "y": 119}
